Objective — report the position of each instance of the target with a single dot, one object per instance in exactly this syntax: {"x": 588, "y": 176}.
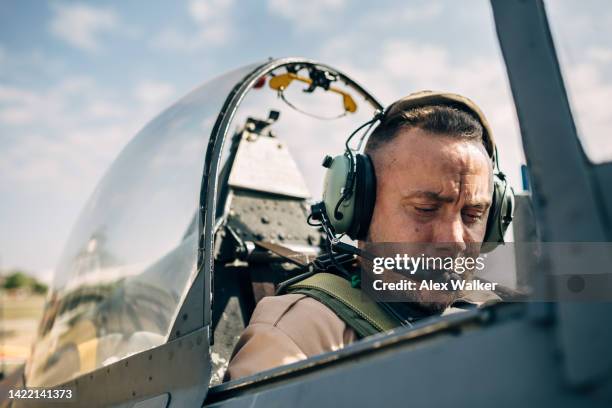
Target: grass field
{"x": 19, "y": 315}
{"x": 16, "y": 306}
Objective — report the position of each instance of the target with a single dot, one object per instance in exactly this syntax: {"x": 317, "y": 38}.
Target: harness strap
{"x": 297, "y": 258}
{"x": 356, "y": 309}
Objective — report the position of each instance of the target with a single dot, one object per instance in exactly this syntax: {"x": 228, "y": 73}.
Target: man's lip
{"x": 438, "y": 275}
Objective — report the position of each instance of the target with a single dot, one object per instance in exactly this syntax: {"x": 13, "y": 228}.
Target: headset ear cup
{"x": 335, "y": 182}
{"x": 508, "y": 209}
{"x": 491, "y": 217}
{"x": 500, "y": 213}
{"x": 365, "y": 197}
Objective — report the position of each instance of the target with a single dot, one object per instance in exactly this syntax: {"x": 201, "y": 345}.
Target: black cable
{"x": 312, "y": 115}
{"x": 348, "y": 184}
{"x": 337, "y": 214}
{"x": 496, "y": 159}
{"x": 369, "y": 122}
{"x": 309, "y": 221}
{"x": 336, "y": 264}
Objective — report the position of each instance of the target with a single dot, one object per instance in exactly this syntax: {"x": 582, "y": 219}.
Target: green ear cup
{"x": 335, "y": 180}
{"x": 501, "y": 211}
{"x": 352, "y": 216}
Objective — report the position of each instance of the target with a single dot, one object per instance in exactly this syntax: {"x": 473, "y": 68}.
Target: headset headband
{"x": 427, "y": 98}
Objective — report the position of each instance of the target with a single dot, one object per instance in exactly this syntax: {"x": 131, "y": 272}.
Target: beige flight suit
{"x": 289, "y": 328}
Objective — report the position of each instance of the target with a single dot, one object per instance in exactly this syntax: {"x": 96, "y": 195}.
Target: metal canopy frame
{"x": 567, "y": 199}
{"x": 220, "y": 133}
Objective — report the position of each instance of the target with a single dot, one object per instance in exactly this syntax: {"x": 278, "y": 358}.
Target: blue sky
{"x": 79, "y": 79}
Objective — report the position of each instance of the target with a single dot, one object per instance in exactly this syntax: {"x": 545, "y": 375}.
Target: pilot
{"x": 435, "y": 182}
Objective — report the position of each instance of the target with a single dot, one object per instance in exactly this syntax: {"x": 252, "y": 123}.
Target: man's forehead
{"x": 421, "y": 149}
{"x": 436, "y": 167}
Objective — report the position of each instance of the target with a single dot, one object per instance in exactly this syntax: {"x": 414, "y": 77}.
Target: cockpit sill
{"x": 450, "y": 325}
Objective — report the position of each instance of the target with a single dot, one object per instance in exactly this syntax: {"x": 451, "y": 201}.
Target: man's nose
{"x": 449, "y": 237}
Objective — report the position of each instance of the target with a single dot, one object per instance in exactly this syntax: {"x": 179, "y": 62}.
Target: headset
{"x": 349, "y": 191}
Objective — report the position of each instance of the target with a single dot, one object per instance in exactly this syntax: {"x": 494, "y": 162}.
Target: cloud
{"x": 581, "y": 35}
{"x": 21, "y": 66}
{"x": 46, "y": 107}
{"x": 600, "y": 54}
{"x": 58, "y": 134}
{"x": 62, "y": 138}
{"x": 212, "y": 19}
{"x": 153, "y": 92}
{"x": 306, "y": 15}
{"x": 81, "y": 25}
{"x": 104, "y": 110}
{"x": 14, "y": 103}
{"x": 204, "y": 11}
{"x": 390, "y": 16}
{"x": 15, "y": 116}
{"x": 589, "y": 85}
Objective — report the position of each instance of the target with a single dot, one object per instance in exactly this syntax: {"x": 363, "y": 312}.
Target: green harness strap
{"x": 350, "y": 304}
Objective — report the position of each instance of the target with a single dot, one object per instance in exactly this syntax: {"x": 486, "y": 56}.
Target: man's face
{"x": 433, "y": 193}
{"x": 431, "y": 188}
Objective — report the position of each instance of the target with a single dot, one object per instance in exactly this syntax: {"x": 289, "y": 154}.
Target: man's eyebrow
{"x": 431, "y": 195}
{"x": 435, "y": 196}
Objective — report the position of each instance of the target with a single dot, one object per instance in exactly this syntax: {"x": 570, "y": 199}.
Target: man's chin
{"x": 433, "y": 303}
{"x": 432, "y": 308}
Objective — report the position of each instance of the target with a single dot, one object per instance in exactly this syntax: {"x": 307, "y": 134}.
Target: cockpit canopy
{"x": 150, "y": 225}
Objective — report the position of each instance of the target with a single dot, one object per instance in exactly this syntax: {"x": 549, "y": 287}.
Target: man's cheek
{"x": 477, "y": 232}
{"x": 417, "y": 228}
{"x": 403, "y": 228}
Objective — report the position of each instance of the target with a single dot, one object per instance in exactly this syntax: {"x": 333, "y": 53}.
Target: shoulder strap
{"x": 350, "y": 304}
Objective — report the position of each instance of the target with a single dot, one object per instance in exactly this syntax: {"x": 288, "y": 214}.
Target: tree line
{"x": 20, "y": 280}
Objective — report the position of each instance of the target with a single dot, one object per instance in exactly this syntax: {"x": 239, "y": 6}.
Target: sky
{"x": 79, "y": 79}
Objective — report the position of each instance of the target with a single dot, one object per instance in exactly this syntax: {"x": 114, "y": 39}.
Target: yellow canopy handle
{"x": 282, "y": 81}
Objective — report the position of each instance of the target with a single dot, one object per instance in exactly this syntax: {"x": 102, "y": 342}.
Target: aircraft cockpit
{"x": 270, "y": 174}
{"x": 204, "y": 213}
{"x": 207, "y": 210}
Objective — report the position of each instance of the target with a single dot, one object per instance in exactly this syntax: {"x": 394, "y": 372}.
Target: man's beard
{"x": 430, "y": 302}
